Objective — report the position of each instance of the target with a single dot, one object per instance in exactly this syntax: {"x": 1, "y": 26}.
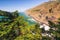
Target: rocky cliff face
{"x": 46, "y": 11}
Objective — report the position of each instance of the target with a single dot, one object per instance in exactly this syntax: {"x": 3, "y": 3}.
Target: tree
{"x": 32, "y": 32}
{"x": 15, "y": 14}
{"x": 19, "y": 29}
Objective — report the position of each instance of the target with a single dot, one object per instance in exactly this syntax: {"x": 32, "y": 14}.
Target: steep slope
{"x": 46, "y": 11}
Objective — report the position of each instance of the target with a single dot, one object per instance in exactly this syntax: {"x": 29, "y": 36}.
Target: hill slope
{"x": 46, "y": 11}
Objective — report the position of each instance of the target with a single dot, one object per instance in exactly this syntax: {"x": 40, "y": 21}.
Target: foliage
{"x": 29, "y": 33}
{"x": 15, "y": 14}
{"x": 5, "y": 13}
{"x": 19, "y": 29}
{"x": 56, "y": 32}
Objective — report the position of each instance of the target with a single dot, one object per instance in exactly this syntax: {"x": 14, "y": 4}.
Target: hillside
{"x": 47, "y": 11}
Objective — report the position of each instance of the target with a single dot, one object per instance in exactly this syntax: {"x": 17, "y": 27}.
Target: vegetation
{"x": 56, "y": 30}
{"x": 18, "y": 28}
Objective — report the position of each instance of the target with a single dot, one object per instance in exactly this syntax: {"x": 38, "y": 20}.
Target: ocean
{"x": 27, "y": 18}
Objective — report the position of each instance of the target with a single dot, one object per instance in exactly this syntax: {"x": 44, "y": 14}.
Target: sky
{"x": 20, "y": 5}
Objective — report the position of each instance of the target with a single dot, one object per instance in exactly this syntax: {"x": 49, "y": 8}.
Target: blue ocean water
{"x": 27, "y": 18}
{"x": 1, "y": 16}
{"x": 24, "y": 15}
